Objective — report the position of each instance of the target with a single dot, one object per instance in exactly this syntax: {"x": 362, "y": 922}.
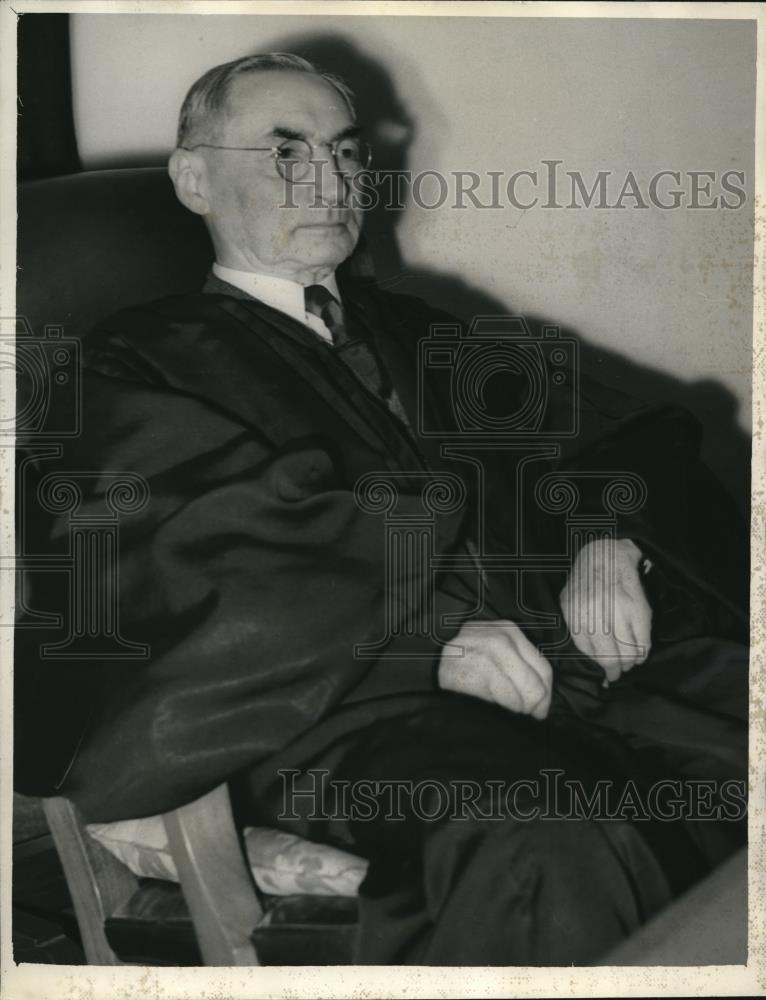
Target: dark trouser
{"x": 464, "y": 872}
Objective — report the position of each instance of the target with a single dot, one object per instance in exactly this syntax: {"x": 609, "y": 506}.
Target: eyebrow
{"x": 284, "y": 132}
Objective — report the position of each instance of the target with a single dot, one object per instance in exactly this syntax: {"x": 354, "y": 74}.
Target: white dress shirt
{"x": 280, "y": 293}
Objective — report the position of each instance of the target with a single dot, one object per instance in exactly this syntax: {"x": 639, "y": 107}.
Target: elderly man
{"x": 259, "y": 575}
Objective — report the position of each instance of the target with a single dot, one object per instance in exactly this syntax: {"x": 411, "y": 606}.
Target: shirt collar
{"x": 279, "y": 293}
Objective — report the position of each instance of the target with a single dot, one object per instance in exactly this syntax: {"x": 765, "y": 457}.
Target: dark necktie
{"x": 353, "y": 349}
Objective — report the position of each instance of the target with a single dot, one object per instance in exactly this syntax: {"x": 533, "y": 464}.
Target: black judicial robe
{"x": 252, "y": 572}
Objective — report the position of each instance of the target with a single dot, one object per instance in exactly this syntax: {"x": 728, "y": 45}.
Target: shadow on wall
{"x": 391, "y": 129}
{"x": 726, "y": 448}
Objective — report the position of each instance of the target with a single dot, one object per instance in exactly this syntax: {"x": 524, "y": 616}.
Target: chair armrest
{"x": 215, "y": 879}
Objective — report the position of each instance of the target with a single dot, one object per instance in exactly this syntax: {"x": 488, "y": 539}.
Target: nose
{"x": 330, "y": 185}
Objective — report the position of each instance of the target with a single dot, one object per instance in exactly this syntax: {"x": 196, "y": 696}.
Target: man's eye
{"x": 294, "y": 149}
{"x": 349, "y": 151}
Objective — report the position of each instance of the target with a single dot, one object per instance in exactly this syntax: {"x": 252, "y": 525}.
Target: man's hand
{"x": 603, "y": 601}
{"x": 499, "y": 664}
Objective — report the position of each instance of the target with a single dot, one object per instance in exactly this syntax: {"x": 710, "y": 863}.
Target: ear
{"x": 187, "y": 172}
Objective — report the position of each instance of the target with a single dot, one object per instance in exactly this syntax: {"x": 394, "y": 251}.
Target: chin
{"x": 324, "y": 247}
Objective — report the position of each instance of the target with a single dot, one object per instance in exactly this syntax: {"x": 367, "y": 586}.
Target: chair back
{"x": 92, "y": 243}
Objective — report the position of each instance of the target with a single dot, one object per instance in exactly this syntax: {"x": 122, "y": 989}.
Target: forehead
{"x": 265, "y": 99}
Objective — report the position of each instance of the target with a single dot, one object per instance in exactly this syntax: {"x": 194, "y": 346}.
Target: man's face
{"x": 317, "y": 230}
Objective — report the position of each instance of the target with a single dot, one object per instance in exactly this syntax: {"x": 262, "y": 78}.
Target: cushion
{"x": 282, "y": 864}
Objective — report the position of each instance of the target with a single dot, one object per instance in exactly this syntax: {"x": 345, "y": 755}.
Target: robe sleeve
{"x": 251, "y": 574}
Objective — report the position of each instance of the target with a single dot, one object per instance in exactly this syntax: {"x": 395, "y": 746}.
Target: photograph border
{"x": 23, "y": 981}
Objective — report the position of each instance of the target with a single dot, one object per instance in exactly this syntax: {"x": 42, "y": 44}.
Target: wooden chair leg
{"x": 215, "y": 879}
{"x": 98, "y": 883}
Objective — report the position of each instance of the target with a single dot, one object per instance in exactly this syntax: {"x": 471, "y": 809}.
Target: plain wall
{"x": 661, "y": 299}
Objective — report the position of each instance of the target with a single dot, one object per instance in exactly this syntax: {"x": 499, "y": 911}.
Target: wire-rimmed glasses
{"x": 294, "y": 157}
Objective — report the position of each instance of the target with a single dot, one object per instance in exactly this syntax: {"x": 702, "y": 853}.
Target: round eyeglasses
{"x": 294, "y": 157}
